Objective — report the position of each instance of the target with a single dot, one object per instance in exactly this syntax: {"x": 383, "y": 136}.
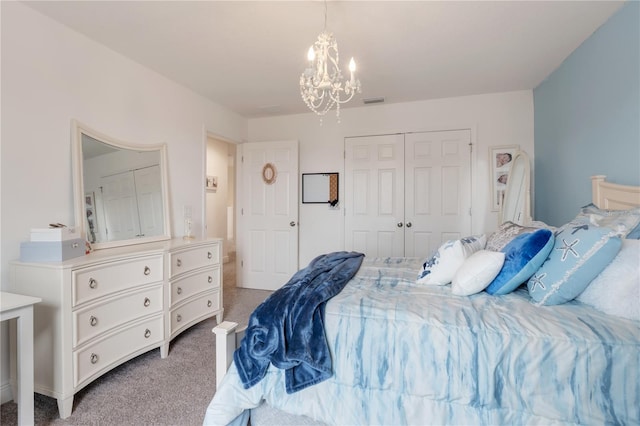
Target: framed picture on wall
{"x": 212, "y": 183}
{"x": 500, "y": 160}
{"x": 90, "y": 210}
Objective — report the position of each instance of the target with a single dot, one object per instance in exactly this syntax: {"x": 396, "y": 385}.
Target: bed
{"x": 408, "y": 353}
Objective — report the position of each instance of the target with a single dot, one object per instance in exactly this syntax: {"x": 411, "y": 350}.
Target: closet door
{"x": 407, "y": 193}
{"x": 374, "y": 195}
{"x": 120, "y": 206}
{"x": 437, "y": 189}
{"x": 149, "y": 197}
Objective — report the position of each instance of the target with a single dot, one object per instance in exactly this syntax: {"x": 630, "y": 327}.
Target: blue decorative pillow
{"x": 505, "y": 234}
{"x": 523, "y": 257}
{"x": 579, "y": 254}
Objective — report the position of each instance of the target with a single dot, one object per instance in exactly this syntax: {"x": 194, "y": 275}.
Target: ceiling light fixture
{"x": 321, "y": 83}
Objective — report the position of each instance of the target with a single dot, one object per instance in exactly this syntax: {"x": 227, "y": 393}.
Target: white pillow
{"x": 616, "y": 290}
{"x": 442, "y": 266}
{"x": 477, "y": 272}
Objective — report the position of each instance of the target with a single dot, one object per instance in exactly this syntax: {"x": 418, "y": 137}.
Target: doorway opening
{"x": 220, "y": 197}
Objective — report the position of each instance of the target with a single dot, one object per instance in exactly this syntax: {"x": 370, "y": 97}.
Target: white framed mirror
{"x": 516, "y": 206}
{"x": 120, "y": 189}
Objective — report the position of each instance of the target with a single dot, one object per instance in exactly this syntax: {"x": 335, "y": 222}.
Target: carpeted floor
{"x": 149, "y": 390}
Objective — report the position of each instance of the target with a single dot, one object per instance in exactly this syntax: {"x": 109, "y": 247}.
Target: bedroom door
{"x": 268, "y": 249}
{"x": 407, "y": 193}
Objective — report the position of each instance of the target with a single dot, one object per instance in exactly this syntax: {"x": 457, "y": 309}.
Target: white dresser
{"x": 100, "y": 310}
{"x": 195, "y": 286}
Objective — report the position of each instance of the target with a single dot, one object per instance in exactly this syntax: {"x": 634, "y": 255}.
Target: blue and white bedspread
{"x": 410, "y": 354}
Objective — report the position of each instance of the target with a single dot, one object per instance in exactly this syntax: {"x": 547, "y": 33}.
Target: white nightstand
{"x": 19, "y": 307}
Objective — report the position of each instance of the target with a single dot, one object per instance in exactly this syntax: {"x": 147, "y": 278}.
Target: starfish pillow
{"x": 579, "y": 254}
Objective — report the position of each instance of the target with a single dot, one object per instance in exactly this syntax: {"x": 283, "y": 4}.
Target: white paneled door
{"x": 407, "y": 193}
{"x": 268, "y": 251}
{"x": 150, "y": 204}
{"x": 132, "y": 204}
{"x": 437, "y": 189}
{"x": 374, "y": 195}
{"x": 120, "y": 207}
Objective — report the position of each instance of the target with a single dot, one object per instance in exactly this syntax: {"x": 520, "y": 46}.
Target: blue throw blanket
{"x": 287, "y": 329}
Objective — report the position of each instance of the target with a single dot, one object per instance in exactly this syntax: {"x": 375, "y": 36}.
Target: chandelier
{"x": 321, "y": 83}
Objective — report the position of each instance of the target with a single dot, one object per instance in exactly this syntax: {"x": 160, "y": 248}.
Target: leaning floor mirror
{"x": 120, "y": 189}
{"x": 516, "y": 206}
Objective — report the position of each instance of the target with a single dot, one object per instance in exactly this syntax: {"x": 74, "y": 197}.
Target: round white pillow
{"x": 477, "y": 272}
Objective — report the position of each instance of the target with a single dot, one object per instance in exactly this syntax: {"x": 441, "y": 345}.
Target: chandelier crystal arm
{"x": 322, "y": 83}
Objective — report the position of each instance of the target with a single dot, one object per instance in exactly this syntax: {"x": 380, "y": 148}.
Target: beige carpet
{"x": 149, "y": 390}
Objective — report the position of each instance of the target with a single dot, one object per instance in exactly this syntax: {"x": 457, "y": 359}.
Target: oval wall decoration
{"x": 269, "y": 173}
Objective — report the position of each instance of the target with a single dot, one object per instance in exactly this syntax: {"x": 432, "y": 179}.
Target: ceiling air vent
{"x": 369, "y": 101}
{"x": 270, "y": 109}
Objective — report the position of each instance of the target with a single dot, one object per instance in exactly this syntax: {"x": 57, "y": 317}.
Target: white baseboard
{"x": 5, "y": 392}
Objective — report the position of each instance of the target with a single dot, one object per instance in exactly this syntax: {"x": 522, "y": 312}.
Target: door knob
{"x": 292, "y": 223}
{"x": 399, "y": 224}
{"x": 409, "y": 225}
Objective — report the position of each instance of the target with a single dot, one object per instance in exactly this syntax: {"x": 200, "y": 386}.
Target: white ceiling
{"x": 248, "y": 56}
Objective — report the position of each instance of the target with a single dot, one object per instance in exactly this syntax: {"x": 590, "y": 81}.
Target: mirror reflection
{"x": 121, "y": 191}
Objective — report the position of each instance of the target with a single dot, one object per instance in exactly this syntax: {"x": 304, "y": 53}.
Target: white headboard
{"x": 612, "y": 196}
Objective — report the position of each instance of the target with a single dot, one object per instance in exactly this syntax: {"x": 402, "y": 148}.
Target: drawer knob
{"x": 179, "y": 263}
{"x": 94, "y": 358}
{"x": 209, "y": 303}
{"x": 147, "y": 301}
{"x": 179, "y": 290}
{"x": 147, "y": 333}
{"x": 147, "y": 270}
{"x": 179, "y": 318}
{"x": 93, "y": 283}
{"x": 210, "y": 279}
{"x": 209, "y": 255}
{"x": 93, "y": 321}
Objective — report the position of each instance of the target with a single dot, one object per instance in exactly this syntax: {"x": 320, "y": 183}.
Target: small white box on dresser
{"x": 51, "y": 251}
{"x": 54, "y": 234}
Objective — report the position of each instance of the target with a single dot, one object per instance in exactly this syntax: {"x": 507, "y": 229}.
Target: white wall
{"x": 494, "y": 119}
{"x": 50, "y": 75}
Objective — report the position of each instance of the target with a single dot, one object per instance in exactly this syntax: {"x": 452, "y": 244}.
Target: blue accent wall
{"x": 587, "y": 119}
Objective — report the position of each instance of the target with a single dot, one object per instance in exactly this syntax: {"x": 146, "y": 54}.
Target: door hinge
{"x": 241, "y": 212}
{"x": 242, "y": 263}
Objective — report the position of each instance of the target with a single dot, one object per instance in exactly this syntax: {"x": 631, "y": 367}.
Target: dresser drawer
{"x": 89, "y": 322}
{"x": 115, "y": 349}
{"x": 100, "y": 280}
{"x": 185, "y": 287}
{"x": 193, "y": 258}
{"x": 197, "y": 309}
